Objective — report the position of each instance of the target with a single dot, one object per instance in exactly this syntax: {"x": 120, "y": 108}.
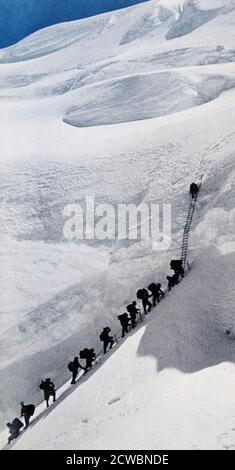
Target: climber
{"x": 14, "y": 429}
{"x": 144, "y": 296}
{"x": 124, "y": 320}
{"x": 49, "y": 390}
{"x": 194, "y": 189}
{"x": 73, "y": 367}
{"x": 176, "y": 266}
{"x": 172, "y": 281}
{"x": 133, "y": 311}
{"x": 27, "y": 411}
{"x": 106, "y": 339}
{"x": 157, "y": 292}
{"x": 89, "y": 355}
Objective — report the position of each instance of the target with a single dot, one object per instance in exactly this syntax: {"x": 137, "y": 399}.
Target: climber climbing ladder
{"x": 184, "y": 249}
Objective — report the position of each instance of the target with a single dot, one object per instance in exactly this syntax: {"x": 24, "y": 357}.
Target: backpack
{"x": 129, "y": 308}
{"x": 194, "y": 188}
{"x": 103, "y": 336}
{"x": 122, "y": 317}
{"x": 16, "y": 423}
{"x": 83, "y": 353}
{"x": 140, "y": 294}
{"x": 176, "y": 263}
{"x": 42, "y": 385}
{"x": 71, "y": 366}
{"x": 145, "y": 295}
{"x": 31, "y": 409}
{"x": 152, "y": 287}
{"x": 46, "y": 386}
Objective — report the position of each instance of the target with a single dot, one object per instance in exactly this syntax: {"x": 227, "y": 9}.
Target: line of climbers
{"x": 153, "y": 291}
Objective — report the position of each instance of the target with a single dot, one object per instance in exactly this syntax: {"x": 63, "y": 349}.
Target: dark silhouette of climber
{"x": 74, "y": 367}
{"x": 124, "y": 320}
{"x": 49, "y": 390}
{"x": 26, "y": 412}
{"x": 133, "y": 311}
{"x": 144, "y": 296}
{"x": 106, "y": 339}
{"x": 172, "y": 281}
{"x": 157, "y": 292}
{"x": 89, "y": 355}
{"x": 176, "y": 266}
{"x": 14, "y": 429}
{"x": 194, "y": 189}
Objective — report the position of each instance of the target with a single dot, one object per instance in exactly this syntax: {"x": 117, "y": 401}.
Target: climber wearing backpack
{"x": 144, "y": 296}
{"x": 133, "y": 311}
{"x": 124, "y": 320}
{"x": 89, "y": 355}
{"x": 14, "y": 429}
{"x": 106, "y": 339}
{"x": 176, "y": 266}
{"x": 49, "y": 390}
{"x": 73, "y": 367}
{"x": 27, "y": 411}
{"x": 172, "y": 281}
{"x": 157, "y": 292}
{"x": 194, "y": 189}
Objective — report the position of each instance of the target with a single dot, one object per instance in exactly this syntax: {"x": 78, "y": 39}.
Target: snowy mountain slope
{"x": 140, "y": 397}
{"x": 56, "y": 294}
{"x": 21, "y": 18}
{"x": 145, "y": 96}
{"x": 193, "y": 15}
